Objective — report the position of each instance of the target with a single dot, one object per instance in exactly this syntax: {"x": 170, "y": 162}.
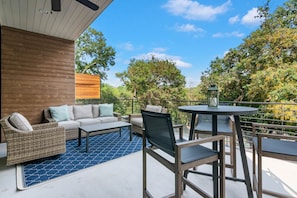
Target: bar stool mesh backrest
{"x": 158, "y": 131}
{"x": 160, "y": 134}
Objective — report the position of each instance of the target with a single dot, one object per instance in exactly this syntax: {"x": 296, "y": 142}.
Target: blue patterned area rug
{"x": 102, "y": 148}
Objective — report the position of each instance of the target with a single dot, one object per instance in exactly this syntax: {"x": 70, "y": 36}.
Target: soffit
{"x": 36, "y": 16}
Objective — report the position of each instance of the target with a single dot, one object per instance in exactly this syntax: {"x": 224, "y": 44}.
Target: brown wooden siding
{"x": 37, "y": 71}
{"x": 87, "y": 86}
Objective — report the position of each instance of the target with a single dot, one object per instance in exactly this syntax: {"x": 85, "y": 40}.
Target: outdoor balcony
{"x": 23, "y": 71}
{"x": 122, "y": 177}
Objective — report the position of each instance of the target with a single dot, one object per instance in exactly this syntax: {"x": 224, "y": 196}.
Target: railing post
{"x": 132, "y": 105}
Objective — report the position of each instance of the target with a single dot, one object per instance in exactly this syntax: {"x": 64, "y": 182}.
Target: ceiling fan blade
{"x": 56, "y": 5}
{"x": 89, "y": 4}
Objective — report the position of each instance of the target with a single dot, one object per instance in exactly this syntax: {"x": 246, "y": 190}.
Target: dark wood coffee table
{"x": 101, "y": 127}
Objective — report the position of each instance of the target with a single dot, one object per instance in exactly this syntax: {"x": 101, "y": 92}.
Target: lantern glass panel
{"x": 213, "y": 96}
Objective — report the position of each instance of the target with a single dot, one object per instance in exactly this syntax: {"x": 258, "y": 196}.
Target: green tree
{"x": 154, "y": 81}
{"x": 270, "y": 48}
{"x": 274, "y": 84}
{"x": 225, "y": 73}
{"x": 119, "y": 96}
{"x": 92, "y": 55}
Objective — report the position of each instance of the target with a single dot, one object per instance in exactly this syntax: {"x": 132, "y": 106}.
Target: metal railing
{"x": 268, "y": 112}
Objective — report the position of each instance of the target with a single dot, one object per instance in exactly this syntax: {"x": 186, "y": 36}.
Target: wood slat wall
{"x": 37, "y": 71}
{"x": 87, "y": 86}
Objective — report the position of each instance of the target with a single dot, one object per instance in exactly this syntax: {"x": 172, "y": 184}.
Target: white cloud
{"x": 234, "y": 19}
{"x": 188, "y": 28}
{"x": 228, "y": 34}
{"x": 159, "y": 49}
{"x": 250, "y": 18}
{"x": 127, "y": 46}
{"x": 193, "y": 10}
{"x": 162, "y": 56}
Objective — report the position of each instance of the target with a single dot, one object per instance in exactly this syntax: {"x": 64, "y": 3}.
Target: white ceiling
{"x": 36, "y": 16}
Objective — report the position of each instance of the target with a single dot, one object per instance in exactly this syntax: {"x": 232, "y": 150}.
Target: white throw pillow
{"x": 20, "y": 122}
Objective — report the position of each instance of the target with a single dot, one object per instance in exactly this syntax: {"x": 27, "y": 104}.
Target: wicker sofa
{"x": 137, "y": 121}
{"x": 43, "y": 140}
{"x": 80, "y": 115}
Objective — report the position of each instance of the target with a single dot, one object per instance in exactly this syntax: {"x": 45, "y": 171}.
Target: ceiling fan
{"x": 56, "y": 5}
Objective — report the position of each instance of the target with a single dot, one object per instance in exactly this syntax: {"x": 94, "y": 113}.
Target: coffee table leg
{"x": 87, "y": 142}
{"x": 79, "y": 137}
{"x": 130, "y": 128}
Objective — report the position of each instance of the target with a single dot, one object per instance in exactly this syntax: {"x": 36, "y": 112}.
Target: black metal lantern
{"x": 213, "y": 96}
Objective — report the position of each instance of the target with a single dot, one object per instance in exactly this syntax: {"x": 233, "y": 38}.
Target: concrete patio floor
{"x": 122, "y": 178}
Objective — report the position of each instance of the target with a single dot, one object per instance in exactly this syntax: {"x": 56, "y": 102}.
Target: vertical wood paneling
{"x": 37, "y": 71}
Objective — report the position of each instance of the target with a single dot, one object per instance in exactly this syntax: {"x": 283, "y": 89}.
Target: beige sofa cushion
{"x": 71, "y": 115}
{"x": 95, "y": 109}
{"x": 107, "y": 119}
{"x": 69, "y": 124}
{"x": 154, "y": 108}
{"x": 88, "y": 121}
{"x": 137, "y": 122}
{"x": 82, "y": 111}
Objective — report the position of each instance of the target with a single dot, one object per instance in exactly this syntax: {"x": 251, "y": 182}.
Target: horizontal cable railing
{"x": 268, "y": 112}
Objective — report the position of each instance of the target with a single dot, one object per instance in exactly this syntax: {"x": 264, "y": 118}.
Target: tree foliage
{"x": 92, "y": 55}
{"x": 274, "y": 84}
{"x": 154, "y": 81}
{"x": 120, "y": 97}
{"x": 263, "y": 67}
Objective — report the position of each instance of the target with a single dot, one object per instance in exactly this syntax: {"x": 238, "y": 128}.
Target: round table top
{"x": 220, "y": 110}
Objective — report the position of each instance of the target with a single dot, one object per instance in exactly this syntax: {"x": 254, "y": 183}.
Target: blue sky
{"x": 190, "y": 33}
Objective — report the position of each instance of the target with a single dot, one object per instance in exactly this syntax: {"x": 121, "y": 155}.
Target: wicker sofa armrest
{"x": 47, "y": 116}
{"x": 51, "y": 120}
{"x": 45, "y": 125}
{"x": 47, "y": 129}
{"x": 118, "y": 115}
{"x": 50, "y": 131}
{"x": 136, "y": 115}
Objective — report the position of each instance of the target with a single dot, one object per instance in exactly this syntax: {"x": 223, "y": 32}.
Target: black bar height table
{"x": 236, "y": 111}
